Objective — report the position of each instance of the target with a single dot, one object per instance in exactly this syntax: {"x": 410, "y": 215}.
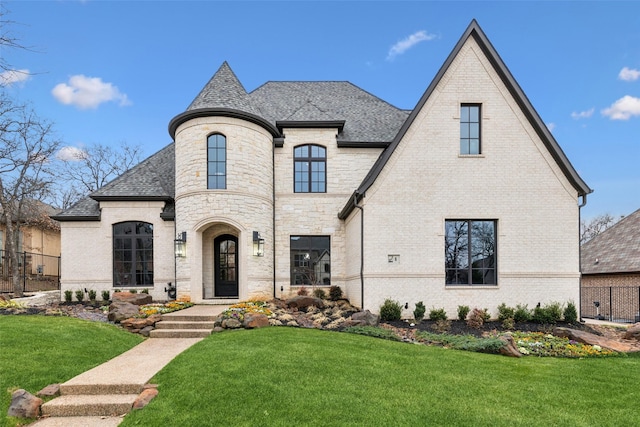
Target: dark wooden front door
{"x": 226, "y": 266}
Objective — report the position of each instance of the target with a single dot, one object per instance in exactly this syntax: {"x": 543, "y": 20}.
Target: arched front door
{"x": 226, "y": 266}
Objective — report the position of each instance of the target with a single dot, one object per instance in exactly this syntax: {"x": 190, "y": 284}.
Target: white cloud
{"x": 629, "y": 75}
{"x": 623, "y": 109}
{"x": 403, "y": 45}
{"x": 70, "y": 153}
{"x": 7, "y": 78}
{"x": 582, "y": 114}
{"x": 88, "y": 92}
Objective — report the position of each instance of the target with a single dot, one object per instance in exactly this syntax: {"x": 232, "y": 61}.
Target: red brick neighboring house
{"x": 611, "y": 263}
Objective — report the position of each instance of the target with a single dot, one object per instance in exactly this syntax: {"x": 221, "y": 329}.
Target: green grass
{"x": 36, "y": 351}
{"x": 286, "y": 376}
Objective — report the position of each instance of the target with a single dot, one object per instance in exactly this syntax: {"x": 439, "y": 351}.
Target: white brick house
{"x": 465, "y": 200}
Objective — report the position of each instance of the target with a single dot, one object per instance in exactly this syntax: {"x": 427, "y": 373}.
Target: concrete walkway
{"x": 117, "y": 382}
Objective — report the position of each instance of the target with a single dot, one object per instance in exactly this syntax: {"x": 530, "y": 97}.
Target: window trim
{"x": 216, "y": 162}
{"x": 309, "y": 160}
{"x": 469, "y": 255}
{"x": 468, "y": 138}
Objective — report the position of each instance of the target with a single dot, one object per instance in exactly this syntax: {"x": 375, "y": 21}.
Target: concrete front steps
{"x": 194, "y": 322}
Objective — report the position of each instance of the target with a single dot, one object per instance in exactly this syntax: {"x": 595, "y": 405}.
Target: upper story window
{"x": 216, "y": 162}
{"x": 470, "y": 129}
{"x": 133, "y": 254}
{"x": 470, "y": 252}
{"x": 310, "y": 169}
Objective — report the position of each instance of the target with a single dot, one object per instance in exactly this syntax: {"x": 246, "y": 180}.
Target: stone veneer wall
{"x": 514, "y": 181}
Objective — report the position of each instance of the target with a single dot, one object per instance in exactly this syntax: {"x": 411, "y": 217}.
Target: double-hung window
{"x": 470, "y": 252}
{"x": 310, "y": 169}
{"x": 470, "y": 129}
{"x": 216, "y": 162}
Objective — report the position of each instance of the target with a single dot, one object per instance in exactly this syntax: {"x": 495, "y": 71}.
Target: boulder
{"x": 137, "y": 299}
{"x": 146, "y": 331}
{"x": 592, "y": 339}
{"x": 231, "y": 324}
{"x": 50, "y": 390}
{"x": 509, "y": 348}
{"x": 24, "y": 405}
{"x": 120, "y": 310}
{"x": 365, "y": 318}
{"x": 255, "y": 320}
{"x": 145, "y": 397}
{"x": 302, "y": 302}
{"x": 633, "y": 332}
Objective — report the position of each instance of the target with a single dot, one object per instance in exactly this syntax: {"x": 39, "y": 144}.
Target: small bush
{"x": 441, "y": 326}
{"x": 464, "y": 342}
{"x": 373, "y": 331}
{"x": 390, "y": 310}
{"x": 570, "y": 313}
{"x": 92, "y": 294}
{"x": 549, "y": 314}
{"x": 463, "y": 311}
{"x": 319, "y": 293}
{"x": 68, "y": 295}
{"x": 486, "y": 316}
{"x": 145, "y": 291}
{"x": 80, "y": 295}
{"x": 476, "y": 318}
{"x": 418, "y": 313}
{"x": 335, "y": 293}
{"x": 303, "y": 291}
{"x": 522, "y": 313}
{"x": 505, "y": 312}
{"x": 105, "y": 296}
{"x": 437, "y": 314}
{"x": 508, "y": 323}
{"x": 133, "y": 291}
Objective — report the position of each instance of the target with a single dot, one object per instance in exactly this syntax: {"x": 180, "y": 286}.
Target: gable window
{"x": 216, "y": 162}
{"x": 133, "y": 254}
{"x": 310, "y": 173}
{"x": 310, "y": 261}
{"x": 470, "y": 252}
{"x": 470, "y": 129}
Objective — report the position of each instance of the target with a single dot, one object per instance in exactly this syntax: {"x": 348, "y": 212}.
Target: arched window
{"x": 133, "y": 254}
{"x": 216, "y": 162}
{"x": 310, "y": 169}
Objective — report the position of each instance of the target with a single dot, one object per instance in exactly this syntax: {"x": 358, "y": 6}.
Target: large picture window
{"x": 470, "y": 129}
{"x": 216, "y": 162}
{"x": 310, "y": 261}
{"x": 133, "y": 254}
{"x": 310, "y": 169}
{"x": 470, "y": 252}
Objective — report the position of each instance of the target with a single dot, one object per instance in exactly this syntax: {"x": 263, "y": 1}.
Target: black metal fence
{"x": 611, "y": 303}
{"x": 37, "y": 272}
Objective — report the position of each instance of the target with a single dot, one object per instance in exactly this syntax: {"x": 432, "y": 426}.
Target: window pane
{"x": 464, "y": 146}
{"x": 464, "y": 130}
{"x": 474, "y": 113}
{"x": 464, "y": 114}
{"x": 474, "y": 147}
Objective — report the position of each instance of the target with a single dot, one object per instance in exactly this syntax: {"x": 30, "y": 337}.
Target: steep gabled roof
{"x": 474, "y": 30}
{"x": 615, "y": 250}
{"x": 151, "y": 179}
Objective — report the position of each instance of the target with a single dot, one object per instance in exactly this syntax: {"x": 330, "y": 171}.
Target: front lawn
{"x": 36, "y": 351}
{"x": 290, "y": 376}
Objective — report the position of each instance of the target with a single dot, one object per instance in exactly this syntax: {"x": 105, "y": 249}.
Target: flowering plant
{"x": 545, "y": 345}
{"x": 151, "y": 309}
{"x": 238, "y": 311}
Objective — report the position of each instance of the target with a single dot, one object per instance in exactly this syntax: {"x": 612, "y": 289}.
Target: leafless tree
{"x": 27, "y": 152}
{"x": 84, "y": 170}
{"x": 590, "y": 229}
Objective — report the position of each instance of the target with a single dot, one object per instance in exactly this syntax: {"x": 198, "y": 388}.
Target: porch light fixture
{"x": 258, "y": 244}
{"x": 181, "y": 245}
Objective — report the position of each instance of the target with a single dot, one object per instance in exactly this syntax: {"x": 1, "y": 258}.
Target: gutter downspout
{"x": 273, "y": 212}
{"x": 580, "y": 206}
{"x": 355, "y": 204}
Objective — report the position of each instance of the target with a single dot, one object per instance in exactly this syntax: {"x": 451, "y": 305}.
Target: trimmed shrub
{"x": 133, "y": 291}
{"x": 390, "y": 310}
{"x": 522, "y": 313}
{"x": 68, "y": 295}
{"x": 463, "y": 311}
{"x": 570, "y": 313}
{"x": 437, "y": 314}
{"x": 80, "y": 295}
{"x": 105, "y": 296}
{"x": 418, "y": 313}
{"x": 92, "y": 295}
{"x": 476, "y": 318}
{"x": 145, "y": 291}
{"x": 549, "y": 314}
{"x": 319, "y": 293}
{"x": 505, "y": 312}
{"x": 335, "y": 293}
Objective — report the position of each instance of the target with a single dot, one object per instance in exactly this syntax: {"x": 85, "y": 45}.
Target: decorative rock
{"x": 255, "y": 320}
{"x": 302, "y": 302}
{"x": 137, "y": 299}
{"x": 145, "y": 397}
{"x": 633, "y": 332}
{"x": 146, "y": 331}
{"x": 509, "y": 348}
{"x": 231, "y": 324}
{"x": 50, "y": 390}
{"x": 592, "y": 339}
{"x": 366, "y": 318}
{"x": 24, "y": 405}
{"x": 120, "y": 310}
{"x": 134, "y": 323}
{"x": 218, "y": 329}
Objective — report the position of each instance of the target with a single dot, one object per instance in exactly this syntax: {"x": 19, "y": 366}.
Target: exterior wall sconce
{"x": 258, "y": 244}
{"x": 181, "y": 245}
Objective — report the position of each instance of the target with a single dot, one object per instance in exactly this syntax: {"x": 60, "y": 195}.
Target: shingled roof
{"x": 615, "y": 250}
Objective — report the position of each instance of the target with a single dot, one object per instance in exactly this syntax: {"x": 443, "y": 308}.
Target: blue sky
{"x": 110, "y": 72}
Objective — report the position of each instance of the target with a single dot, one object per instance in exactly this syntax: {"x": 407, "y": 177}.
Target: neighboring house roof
{"x": 474, "y": 30}
{"x": 615, "y": 250}
{"x": 151, "y": 179}
{"x": 35, "y": 213}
